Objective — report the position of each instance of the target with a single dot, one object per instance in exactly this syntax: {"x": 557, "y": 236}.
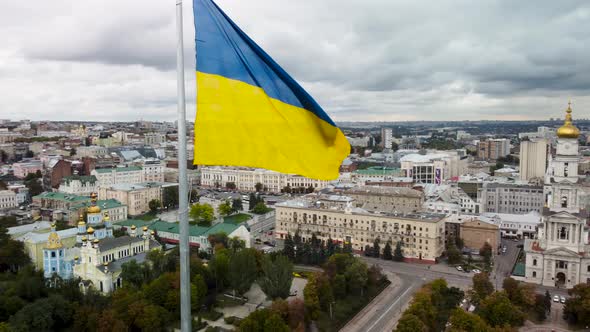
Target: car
{"x": 459, "y": 268}
{"x": 466, "y": 270}
{"x": 504, "y": 250}
{"x": 562, "y": 299}
{"x": 476, "y": 271}
{"x": 556, "y": 298}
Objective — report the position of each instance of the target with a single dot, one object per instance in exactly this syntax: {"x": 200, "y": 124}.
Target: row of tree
{"x": 312, "y": 252}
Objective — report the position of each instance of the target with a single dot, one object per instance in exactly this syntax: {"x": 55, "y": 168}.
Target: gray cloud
{"x": 363, "y": 60}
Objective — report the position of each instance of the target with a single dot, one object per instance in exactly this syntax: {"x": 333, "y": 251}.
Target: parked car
{"x": 476, "y": 271}
{"x": 459, "y": 268}
{"x": 556, "y": 298}
{"x": 504, "y": 250}
{"x": 562, "y": 299}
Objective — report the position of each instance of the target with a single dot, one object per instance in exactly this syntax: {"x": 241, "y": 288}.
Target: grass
{"x": 225, "y": 301}
{"x": 237, "y": 219}
{"x": 211, "y": 315}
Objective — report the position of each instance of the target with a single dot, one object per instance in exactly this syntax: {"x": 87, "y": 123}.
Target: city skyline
{"x": 375, "y": 61}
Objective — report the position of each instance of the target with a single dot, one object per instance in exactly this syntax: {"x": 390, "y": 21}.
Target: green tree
{"x": 356, "y": 276}
{"x": 202, "y": 214}
{"x": 387, "y": 254}
{"x": 230, "y": 185}
{"x": 220, "y": 268}
{"x": 170, "y": 196}
{"x": 236, "y": 205}
{"x": 133, "y": 273}
{"x": 454, "y": 255}
{"x": 260, "y": 208}
{"x": 225, "y": 209}
{"x": 339, "y": 286}
{"x": 462, "y": 321}
{"x": 486, "y": 252}
{"x": 547, "y": 301}
{"x": 154, "y": 205}
{"x": 311, "y": 300}
{"x": 376, "y": 248}
{"x": 286, "y": 189}
{"x": 497, "y": 310}
{"x": 277, "y": 276}
{"x": 398, "y": 255}
{"x": 258, "y": 186}
{"x": 539, "y": 307}
{"x": 198, "y": 292}
{"x": 72, "y": 152}
{"x": 34, "y": 186}
{"x": 482, "y": 286}
{"x": 289, "y": 247}
{"x": 410, "y": 323}
{"x": 577, "y": 306}
{"x": 242, "y": 270}
{"x": 275, "y": 324}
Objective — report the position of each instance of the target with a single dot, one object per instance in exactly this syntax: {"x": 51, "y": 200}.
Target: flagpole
{"x": 185, "y": 284}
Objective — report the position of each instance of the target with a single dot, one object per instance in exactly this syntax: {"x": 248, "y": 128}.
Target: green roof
{"x": 83, "y": 179}
{"x": 103, "y": 204}
{"x": 62, "y": 197}
{"x": 194, "y": 230}
{"x": 136, "y": 222}
{"x": 376, "y": 170}
{"x": 518, "y": 270}
{"x": 118, "y": 169}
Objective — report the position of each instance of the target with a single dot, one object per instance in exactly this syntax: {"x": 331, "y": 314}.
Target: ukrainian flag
{"x": 250, "y": 112}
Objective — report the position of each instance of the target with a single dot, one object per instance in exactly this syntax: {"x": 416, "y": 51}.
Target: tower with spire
{"x": 560, "y": 256}
{"x": 54, "y": 257}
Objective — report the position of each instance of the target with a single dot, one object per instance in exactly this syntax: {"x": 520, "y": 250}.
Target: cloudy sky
{"x": 363, "y": 60}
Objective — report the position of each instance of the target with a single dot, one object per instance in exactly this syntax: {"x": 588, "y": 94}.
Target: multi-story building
{"x": 493, "y": 149}
{"x": 154, "y": 138}
{"x": 57, "y": 200}
{"x": 56, "y": 170}
{"x": 433, "y": 167}
{"x": 7, "y": 199}
{"x": 533, "y": 159}
{"x": 386, "y": 138}
{"x": 135, "y": 196}
{"x": 511, "y": 198}
{"x": 561, "y": 255}
{"x": 421, "y": 234}
{"x": 522, "y": 226}
{"x": 78, "y": 185}
{"x": 153, "y": 170}
{"x": 21, "y": 169}
{"x": 113, "y": 208}
{"x": 386, "y": 199}
{"x": 246, "y": 179}
{"x": 118, "y": 175}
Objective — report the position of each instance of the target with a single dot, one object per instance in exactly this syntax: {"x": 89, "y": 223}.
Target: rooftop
{"x": 376, "y": 170}
{"x": 83, "y": 179}
{"x": 115, "y": 242}
{"x": 119, "y": 169}
{"x": 62, "y": 197}
{"x": 103, "y": 204}
{"x": 384, "y": 191}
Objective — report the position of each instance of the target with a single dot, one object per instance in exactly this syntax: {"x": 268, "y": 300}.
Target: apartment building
{"x": 511, "y": 198}
{"x": 8, "y": 199}
{"x": 533, "y": 159}
{"x": 245, "y": 179}
{"x": 421, "y": 234}
{"x": 78, "y": 185}
{"x": 433, "y": 167}
{"x": 386, "y": 199}
{"x": 135, "y": 196}
{"x": 493, "y": 149}
{"x": 118, "y": 175}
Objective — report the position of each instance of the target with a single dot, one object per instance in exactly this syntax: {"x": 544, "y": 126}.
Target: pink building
{"x": 20, "y": 170}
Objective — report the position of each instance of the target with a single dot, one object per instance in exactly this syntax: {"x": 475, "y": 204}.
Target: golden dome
{"x": 76, "y": 258}
{"x": 54, "y": 242}
{"x": 133, "y": 227}
{"x": 105, "y": 264}
{"x": 53, "y": 225}
{"x": 145, "y": 228}
{"x": 568, "y": 130}
{"x": 95, "y": 241}
{"x": 90, "y": 230}
{"x": 152, "y": 232}
{"x": 84, "y": 238}
{"x": 94, "y": 209}
{"x": 106, "y": 217}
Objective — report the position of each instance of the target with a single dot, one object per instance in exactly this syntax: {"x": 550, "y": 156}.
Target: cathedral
{"x": 560, "y": 256}
{"x": 98, "y": 256}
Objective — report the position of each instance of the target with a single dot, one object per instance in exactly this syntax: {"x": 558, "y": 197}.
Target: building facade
{"x": 78, "y": 185}
{"x": 421, "y": 234}
{"x": 511, "y": 198}
{"x": 118, "y": 175}
{"x": 7, "y": 199}
{"x": 386, "y": 199}
{"x": 386, "y": 138}
{"x": 533, "y": 159}
{"x": 433, "y": 167}
{"x": 475, "y": 233}
{"x": 135, "y": 196}
{"x": 245, "y": 179}
{"x": 561, "y": 255}
{"x": 493, "y": 149}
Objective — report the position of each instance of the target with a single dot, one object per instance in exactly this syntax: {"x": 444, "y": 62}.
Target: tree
{"x": 230, "y": 185}
{"x": 339, "y": 286}
{"x": 462, "y": 321}
{"x": 225, "y": 208}
{"x": 202, "y": 214}
{"x": 497, "y": 310}
{"x": 132, "y": 273}
{"x": 220, "y": 267}
{"x": 236, "y": 205}
{"x": 242, "y": 270}
{"x": 252, "y": 200}
{"x": 311, "y": 300}
{"x": 72, "y": 152}
{"x": 539, "y": 307}
{"x": 34, "y": 186}
{"x": 454, "y": 255}
{"x": 577, "y": 307}
{"x": 356, "y": 276}
{"x": 410, "y": 323}
{"x": 3, "y": 156}
{"x": 547, "y": 301}
{"x": 376, "y": 248}
{"x": 289, "y": 248}
{"x": 154, "y": 205}
{"x": 482, "y": 286}
{"x": 258, "y": 186}
{"x": 398, "y": 255}
{"x": 310, "y": 189}
{"x": 275, "y": 324}
{"x": 170, "y": 196}
{"x": 486, "y": 252}
{"x": 198, "y": 292}
{"x": 260, "y": 208}
{"x": 277, "y": 276}
{"x": 324, "y": 289}
{"x": 286, "y": 189}
{"x": 387, "y": 255}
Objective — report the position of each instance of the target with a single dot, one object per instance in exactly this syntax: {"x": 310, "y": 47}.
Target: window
{"x": 534, "y": 274}
{"x": 53, "y": 254}
{"x": 534, "y": 262}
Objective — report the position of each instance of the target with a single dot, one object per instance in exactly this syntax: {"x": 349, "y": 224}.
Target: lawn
{"x": 237, "y": 219}
{"x": 146, "y": 217}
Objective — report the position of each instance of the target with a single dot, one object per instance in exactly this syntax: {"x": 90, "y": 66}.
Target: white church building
{"x": 560, "y": 256}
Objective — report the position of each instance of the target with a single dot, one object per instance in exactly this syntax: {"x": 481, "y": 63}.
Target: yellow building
{"x": 36, "y": 241}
